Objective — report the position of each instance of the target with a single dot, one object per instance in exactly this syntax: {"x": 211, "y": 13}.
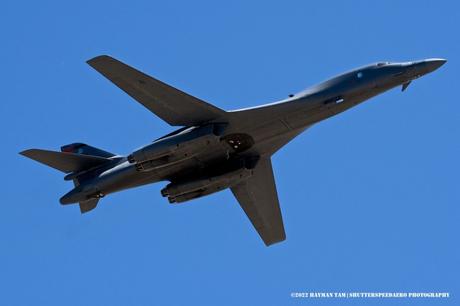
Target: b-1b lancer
{"x": 215, "y": 149}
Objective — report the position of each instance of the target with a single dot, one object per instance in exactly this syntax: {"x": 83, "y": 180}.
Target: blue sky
{"x": 370, "y": 198}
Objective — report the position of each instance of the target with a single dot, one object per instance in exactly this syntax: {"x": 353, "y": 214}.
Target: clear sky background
{"x": 370, "y": 198}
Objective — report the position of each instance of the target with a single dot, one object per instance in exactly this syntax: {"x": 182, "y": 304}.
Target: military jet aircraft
{"x": 215, "y": 149}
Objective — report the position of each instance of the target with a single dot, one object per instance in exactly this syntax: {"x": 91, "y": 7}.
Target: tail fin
{"x": 74, "y": 158}
{"x": 65, "y": 162}
{"x": 82, "y": 148}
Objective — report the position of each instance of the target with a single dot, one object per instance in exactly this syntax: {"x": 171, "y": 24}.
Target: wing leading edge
{"x": 170, "y": 104}
{"x": 259, "y": 200}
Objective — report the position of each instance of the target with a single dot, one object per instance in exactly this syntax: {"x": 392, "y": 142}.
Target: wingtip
{"x": 99, "y": 58}
{"x": 274, "y": 240}
{"x": 27, "y": 152}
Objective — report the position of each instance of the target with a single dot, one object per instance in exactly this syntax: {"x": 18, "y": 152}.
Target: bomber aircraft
{"x": 215, "y": 149}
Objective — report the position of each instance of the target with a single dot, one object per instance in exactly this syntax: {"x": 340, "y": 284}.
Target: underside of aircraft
{"x": 215, "y": 149}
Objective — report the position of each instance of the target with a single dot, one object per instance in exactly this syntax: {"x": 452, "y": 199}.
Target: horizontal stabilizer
{"x": 170, "y": 104}
{"x": 65, "y": 162}
{"x": 88, "y": 205}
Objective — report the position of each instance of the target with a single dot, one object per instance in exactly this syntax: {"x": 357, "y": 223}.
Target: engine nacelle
{"x": 188, "y": 196}
{"x": 181, "y": 192}
{"x": 179, "y": 146}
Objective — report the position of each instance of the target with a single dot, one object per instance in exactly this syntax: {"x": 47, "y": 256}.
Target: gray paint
{"x": 216, "y": 149}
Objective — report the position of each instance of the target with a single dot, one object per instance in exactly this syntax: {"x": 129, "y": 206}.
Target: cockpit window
{"x": 359, "y": 75}
{"x": 382, "y": 64}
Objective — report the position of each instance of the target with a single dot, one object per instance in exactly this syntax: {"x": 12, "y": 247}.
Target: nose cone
{"x": 432, "y": 64}
{"x": 417, "y": 69}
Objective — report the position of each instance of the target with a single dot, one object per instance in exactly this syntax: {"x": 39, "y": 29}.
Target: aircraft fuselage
{"x": 215, "y": 149}
{"x": 263, "y": 126}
